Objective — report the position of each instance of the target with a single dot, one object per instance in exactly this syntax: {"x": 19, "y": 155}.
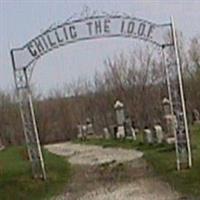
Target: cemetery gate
{"x": 93, "y": 27}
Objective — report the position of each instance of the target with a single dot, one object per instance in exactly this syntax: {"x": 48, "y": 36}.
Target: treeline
{"x": 137, "y": 79}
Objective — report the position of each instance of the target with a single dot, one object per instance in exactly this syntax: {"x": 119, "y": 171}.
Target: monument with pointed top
{"x": 120, "y": 118}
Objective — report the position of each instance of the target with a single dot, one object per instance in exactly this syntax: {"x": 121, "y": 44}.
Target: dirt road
{"x": 110, "y": 174}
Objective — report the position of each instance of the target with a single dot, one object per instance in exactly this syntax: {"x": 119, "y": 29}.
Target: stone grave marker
{"x": 170, "y": 122}
{"x": 120, "y": 116}
{"x": 148, "y": 136}
{"x": 1, "y": 145}
{"x": 106, "y": 133}
{"x": 129, "y": 130}
{"x": 196, "y": 116}
{"x": 159, "y": 135}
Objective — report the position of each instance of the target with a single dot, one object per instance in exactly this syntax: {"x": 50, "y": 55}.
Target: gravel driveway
{"x": 90, "y": 182}
{"x": 93, "y": 155}
{"x": 142, "y": 189}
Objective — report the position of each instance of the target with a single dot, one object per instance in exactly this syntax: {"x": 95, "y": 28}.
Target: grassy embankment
{"x": 163, "y": 160}
{"x": 15, "y": 176}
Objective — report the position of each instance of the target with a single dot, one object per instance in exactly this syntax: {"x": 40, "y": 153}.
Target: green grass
{"x": 163, "y": 160}
{"x": 16, "y": 180}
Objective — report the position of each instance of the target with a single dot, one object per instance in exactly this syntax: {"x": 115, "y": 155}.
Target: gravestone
{"x": 1, "y": 145}
{"x": 120, "y": 116}
{"x": 170, "y": 122}
{"x": 114, "y": 130}
{"x": 120, "y": 132}
{"x": 129, "y": 130}
{"x": 148, "y": 136}
{"x": 106, "y": 133}
{"x": 196, "y": 116}
{"x": 84, "y": 132}
{"x": 133, "y": 132}
{"x": 81, "y": 132}
{"x": 89, "y": 127}
{"x": 158, "y": 134}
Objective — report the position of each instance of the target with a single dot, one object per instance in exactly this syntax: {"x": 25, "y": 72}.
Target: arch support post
{"x": 29, "y": 123}
{"x": 183, "y": 146}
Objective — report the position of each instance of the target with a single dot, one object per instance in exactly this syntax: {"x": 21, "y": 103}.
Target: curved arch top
{"x": 86, "y": 29}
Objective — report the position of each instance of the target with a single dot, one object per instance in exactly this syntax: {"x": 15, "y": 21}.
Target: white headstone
{"x": 120, "y": 132}
{"x": 148, "y": 136}
{"x": 170, "y": 125}
{"x": 84, "y": 131}
{"x": 1, "y": 145}
{"x": 119, "y": 108}
{"x": 169, "y": 121}
{"x": 159, "y": 133}
{"x": 133, "y": 133}
{"x": 106, "y": 133}
{"x": 90, "y": 130}
{"x": 81, "y": 131}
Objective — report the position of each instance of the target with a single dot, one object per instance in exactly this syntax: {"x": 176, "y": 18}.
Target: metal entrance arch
{"x": 102, "y": 26}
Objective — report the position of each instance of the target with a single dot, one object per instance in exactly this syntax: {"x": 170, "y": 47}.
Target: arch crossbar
{"x": 93, "y": 28}
{"x": 87, "y": 29}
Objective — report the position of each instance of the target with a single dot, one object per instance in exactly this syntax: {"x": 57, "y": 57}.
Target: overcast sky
{"x": 22, "y": 20}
